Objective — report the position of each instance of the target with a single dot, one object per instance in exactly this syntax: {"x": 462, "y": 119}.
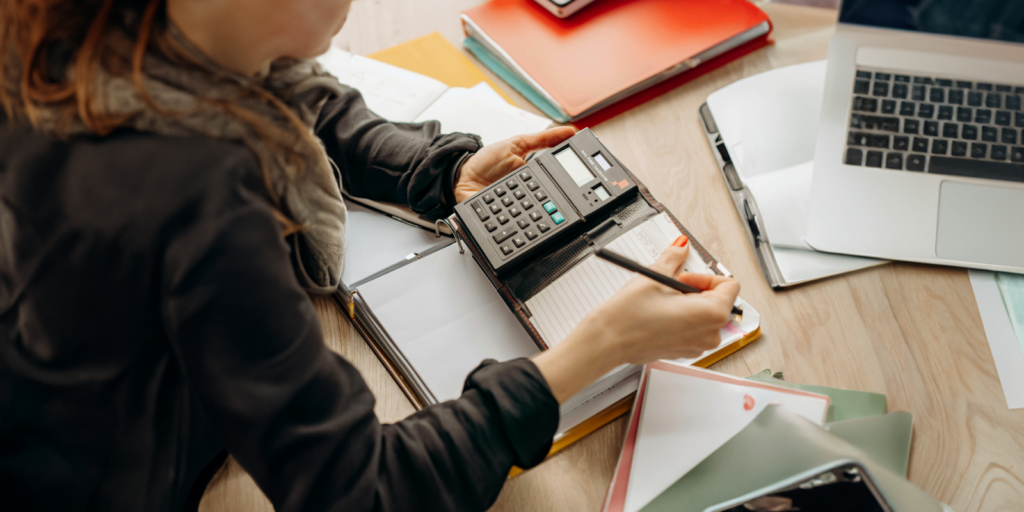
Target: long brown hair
{"x": 32, "y": 32}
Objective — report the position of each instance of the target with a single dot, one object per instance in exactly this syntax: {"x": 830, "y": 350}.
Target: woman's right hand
{"x": 646, "y": 320}
{"x": 642, "y": 322}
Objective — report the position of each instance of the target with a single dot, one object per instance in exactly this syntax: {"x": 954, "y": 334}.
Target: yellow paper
{"x": 432, "y": 55}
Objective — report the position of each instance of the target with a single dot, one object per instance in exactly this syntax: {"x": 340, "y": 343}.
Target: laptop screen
{"x": 984, "y": 19}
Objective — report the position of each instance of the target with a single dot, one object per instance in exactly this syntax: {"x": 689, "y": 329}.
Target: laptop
{"x": 920, "y": 151}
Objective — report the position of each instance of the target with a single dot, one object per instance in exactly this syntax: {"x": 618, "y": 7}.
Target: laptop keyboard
{"x": 936, "y": 125}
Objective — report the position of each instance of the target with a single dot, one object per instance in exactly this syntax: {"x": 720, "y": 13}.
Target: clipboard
{"x": 372, "y": 310}
{"x": 761, "y": 131}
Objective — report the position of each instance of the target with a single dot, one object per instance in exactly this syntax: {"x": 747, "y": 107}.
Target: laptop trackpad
{"x": 981, "y": 224}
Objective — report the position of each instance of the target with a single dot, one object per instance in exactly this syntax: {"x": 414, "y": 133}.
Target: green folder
{"x": 780, "y": 446}
{"x": 487, "y": 59}
{"x": 845, "y": 403}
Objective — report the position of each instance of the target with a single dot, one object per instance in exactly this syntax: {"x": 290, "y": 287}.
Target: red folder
{"x": 589, "y": 61}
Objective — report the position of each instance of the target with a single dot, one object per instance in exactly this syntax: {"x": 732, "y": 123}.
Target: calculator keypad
{"x": 508, "y": 201}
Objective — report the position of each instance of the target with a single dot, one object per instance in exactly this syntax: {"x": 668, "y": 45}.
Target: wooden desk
{"x": 910, "y": 331}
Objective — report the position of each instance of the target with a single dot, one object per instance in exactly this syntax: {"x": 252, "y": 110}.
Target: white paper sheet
{"x": 374, "y": 242}
{"x": 484, "y": 92}
{"x": 389, "y": 91}
{"x": 475, "y": 111}
{"x": 769, "y": 124}
{"x": 560, "y": 307}
{"x": 446, "y": 318}
{"x": 783, "y": 198}
{"x": 1002, "y": 340}
{"x": 685, "y": 419}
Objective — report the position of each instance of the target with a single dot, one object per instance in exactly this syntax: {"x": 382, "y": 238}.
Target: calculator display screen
{"x": 578, "y": 171}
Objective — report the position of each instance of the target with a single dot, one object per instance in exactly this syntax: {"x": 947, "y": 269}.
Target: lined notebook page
{"x": 560, "y": 307}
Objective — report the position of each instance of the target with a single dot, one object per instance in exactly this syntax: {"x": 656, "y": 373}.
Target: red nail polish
{"x": 681, "y": 241}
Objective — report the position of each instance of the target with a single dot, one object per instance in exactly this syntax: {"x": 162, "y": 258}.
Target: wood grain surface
{"x": 910, "y": 331}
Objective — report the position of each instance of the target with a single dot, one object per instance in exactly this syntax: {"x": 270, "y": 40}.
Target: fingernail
{"x": 681, "y": 241}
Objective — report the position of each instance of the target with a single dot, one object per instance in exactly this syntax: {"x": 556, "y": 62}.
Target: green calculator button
{"x": 550, "y": 207}
{"x": 557, "y": 218}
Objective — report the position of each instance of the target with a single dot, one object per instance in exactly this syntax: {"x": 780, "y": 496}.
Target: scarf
{"x": 308, "y": 191}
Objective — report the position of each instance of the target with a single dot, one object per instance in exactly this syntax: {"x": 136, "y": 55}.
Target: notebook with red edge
{"x": 614, "y": 49}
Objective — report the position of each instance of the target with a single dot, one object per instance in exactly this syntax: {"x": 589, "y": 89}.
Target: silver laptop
{"x": 920, "y": 152}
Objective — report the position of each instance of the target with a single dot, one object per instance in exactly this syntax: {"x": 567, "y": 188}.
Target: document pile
{"x": 704, "y": 441}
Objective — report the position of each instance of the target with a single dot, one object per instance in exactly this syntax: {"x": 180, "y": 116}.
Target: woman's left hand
{"x": 496, "y": 160}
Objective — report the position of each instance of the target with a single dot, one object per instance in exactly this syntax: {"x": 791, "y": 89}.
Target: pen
{"x": 632, "y": 266}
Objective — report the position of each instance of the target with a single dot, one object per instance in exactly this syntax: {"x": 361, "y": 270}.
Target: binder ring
{"x": 458, "y": 238}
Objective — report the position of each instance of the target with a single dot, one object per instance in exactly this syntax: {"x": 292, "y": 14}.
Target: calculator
{"x": 554, "y": 194}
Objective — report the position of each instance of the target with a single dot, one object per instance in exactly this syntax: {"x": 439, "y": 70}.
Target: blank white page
{"x": 446, "y": 317}
{"x": 374, "y": 242}
{"x": 560, "y": 307}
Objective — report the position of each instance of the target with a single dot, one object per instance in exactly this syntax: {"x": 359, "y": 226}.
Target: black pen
{"x": 632, "y": 266}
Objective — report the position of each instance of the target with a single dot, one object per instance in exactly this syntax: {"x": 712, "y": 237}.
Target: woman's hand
{"x": 497, "y": 160}
{"x": 642, "y": 322}
{"x": 646, "y": 321}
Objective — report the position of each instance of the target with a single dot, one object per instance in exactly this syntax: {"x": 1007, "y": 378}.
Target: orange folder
{"x": 432, "y": 55}
{"x": 615, "y": 49}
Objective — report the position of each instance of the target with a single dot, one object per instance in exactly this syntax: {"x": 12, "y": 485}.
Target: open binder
{"x": 434, "y": 309}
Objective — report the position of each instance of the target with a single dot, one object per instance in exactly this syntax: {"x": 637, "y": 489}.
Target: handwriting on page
{"x": 390, "y": 92}
{"x": 561, "y": 306}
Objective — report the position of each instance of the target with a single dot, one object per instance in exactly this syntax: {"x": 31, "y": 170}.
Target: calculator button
{"x": 488, "y": 198}
{"x": 557, "y": 218}
{"x": 506, "y": 201}
{"x": 494, "y": 208}
{"x": 519, "y": 241}
{"x": 550, "y": 207}
{"x": 523, "y": 223}
{"x": 506, "y": 250}
{"x": 504, "y": 234}
{"x": 511, "y": 184}
{"x": 532, "y": 185}
{"x": 525, "y": 176}
{"x": 500, "y": 191}
{"x": 540, "y": 195}
{"x": 502, "y": 219}
{"x": 514, "y": 211}
{"x": 519, "y": 194}
{"x": 490, "y": 226}
{"x": 531, "y": 234}
{"x": 480, "y": 211}
{"x": 534, "y": 216}
{"x": 543, "y": 227}
{"x": 527, "y": 204}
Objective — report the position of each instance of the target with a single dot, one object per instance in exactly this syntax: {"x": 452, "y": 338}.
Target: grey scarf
{"x": 309, "y": 193}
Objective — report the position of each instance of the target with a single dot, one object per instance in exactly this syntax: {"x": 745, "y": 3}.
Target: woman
{"x": 169, "y": 197}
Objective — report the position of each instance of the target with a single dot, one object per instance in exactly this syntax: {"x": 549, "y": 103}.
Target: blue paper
{"x": 1011, "y": 287}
